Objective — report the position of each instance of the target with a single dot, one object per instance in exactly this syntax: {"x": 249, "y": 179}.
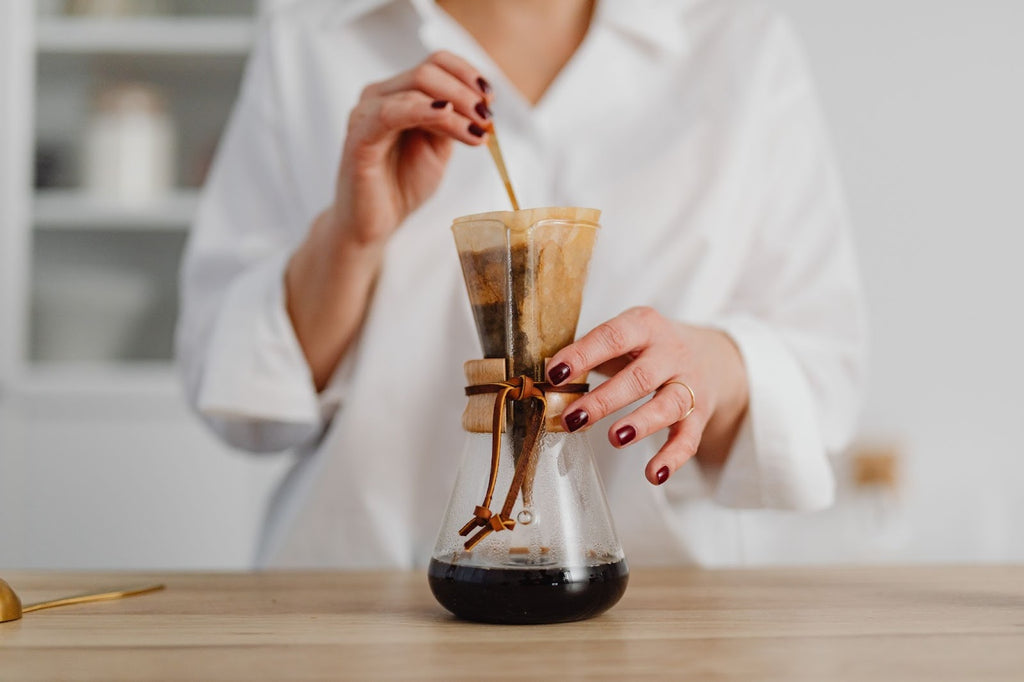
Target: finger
{"x": 670, "y": 405}
{"x": 639, "y": 378}
{"x": 440, "y": 144}
{"x": 464, "y": 71}
{"x": 682, "y": 444}
{"x": 631, "y": 331}
{"x": 616, "y": 365}
{"x": 383, "y": 118}
{"x": 439, "y": 84}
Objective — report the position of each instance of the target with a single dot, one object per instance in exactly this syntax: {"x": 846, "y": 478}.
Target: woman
{"x": 322, "y": 300}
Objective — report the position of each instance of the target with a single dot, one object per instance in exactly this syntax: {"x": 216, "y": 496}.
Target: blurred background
{"x": 110, "y": 111}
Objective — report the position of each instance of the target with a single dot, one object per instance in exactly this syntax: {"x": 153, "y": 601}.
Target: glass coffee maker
{"x": 527, "y": 536}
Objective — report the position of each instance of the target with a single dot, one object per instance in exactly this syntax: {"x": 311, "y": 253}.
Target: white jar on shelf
{"x": 130, "y": 141}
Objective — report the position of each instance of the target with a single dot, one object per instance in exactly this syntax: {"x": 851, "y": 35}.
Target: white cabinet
{"x": 131, "y": 95}
{"x": 101, "y": 464}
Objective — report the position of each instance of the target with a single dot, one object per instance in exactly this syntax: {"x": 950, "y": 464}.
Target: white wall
{"x": 15, "y": 85}
{"x": 926, "y": 102}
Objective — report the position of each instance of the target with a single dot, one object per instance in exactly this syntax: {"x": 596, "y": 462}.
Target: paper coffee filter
{"x": 524, "y": 219}
{"x": 525, "y": 272}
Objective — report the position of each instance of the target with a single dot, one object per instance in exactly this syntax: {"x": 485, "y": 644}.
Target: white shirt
{"x": 691, "y": 124}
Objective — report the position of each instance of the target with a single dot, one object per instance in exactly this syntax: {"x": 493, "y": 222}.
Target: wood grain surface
{"x": 905, "y": 624}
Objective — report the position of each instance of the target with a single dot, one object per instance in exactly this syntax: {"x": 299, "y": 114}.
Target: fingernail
{"x": 474, "y": 129}
{"x": 577, "y": 420}
{"x": 625, "y": 435}
{"x": 439, "y": 103}
{"x": 482, "y": 110}
{"x": 662, "y": 475}
{"x": 559, "y": 373}
{"x": 485, "y": 87}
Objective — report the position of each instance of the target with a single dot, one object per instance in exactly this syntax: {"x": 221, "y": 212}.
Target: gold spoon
{"x": 499, "y": 161}
{"x": 11, "y": 609}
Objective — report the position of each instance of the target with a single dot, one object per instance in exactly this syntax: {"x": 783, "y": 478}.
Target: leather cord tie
{"x": 520, "y": 389}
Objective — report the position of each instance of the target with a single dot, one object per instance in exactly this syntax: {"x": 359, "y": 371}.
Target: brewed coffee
{"x": 528, "y": 594}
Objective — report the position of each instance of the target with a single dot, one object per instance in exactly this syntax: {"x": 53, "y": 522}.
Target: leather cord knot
{"x": 523, "y": 388}
{"x": 519, "y": 389}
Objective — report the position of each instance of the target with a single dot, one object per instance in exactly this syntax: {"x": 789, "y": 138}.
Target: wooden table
{"x": 903, "y": 624}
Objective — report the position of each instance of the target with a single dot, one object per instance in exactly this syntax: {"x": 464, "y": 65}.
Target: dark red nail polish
{"x": 662, "y": 475}
{"x": 625, "y": 435}
{"x": 482, "y": 111}
{"x": 485, "y": 87}
{"x": 577, "y": 420}
{"x": 474, "y": 129}
{"x": 439, "y": 103}
{"x": 559, "y": 373}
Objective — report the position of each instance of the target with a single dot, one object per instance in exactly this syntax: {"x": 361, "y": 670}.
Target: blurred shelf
{"x": 72, "y": 210}
{"x": 100, "y": 380}
{"x": 146, "y": 35}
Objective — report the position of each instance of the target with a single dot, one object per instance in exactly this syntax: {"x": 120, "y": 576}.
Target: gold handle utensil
{"x": 499, "y": 161}
{"x": 11, "y": 608}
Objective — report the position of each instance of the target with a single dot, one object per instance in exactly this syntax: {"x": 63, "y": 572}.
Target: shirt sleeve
{"x": 797, "y": 313}
{"x": 242, "y": 366}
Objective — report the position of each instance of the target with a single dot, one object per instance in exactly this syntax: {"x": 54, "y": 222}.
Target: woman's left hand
{"x": 644, "y": 353}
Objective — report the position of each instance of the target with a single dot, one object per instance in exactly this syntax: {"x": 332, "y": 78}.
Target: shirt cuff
{"x": 779, "y": 459}
{"x": 254, "y": 367}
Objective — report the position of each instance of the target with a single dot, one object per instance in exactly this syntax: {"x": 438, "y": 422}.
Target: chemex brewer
{"x": 527, "y": 536}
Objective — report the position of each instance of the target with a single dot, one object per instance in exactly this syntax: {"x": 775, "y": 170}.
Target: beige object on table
{"x": 877, "y": 467}
{"x": 877, "y": 624}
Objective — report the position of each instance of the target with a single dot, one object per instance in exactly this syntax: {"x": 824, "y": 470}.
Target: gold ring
{"x": 693, "y": 398}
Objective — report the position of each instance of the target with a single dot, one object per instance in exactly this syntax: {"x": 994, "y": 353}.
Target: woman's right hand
{"x": 400, "y": 137}
{"x": 399, "y": 140}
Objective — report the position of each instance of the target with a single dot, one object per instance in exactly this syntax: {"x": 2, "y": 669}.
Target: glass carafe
{"x": 527, "y": 537}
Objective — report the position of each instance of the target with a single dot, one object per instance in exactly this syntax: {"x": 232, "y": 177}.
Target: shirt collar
{"x": 657, "y": 23}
